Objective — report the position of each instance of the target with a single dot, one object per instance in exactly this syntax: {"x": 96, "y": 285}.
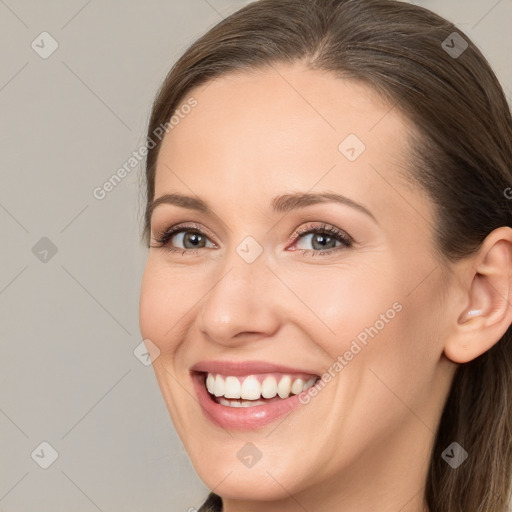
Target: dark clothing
{"x": 212, "y": 504}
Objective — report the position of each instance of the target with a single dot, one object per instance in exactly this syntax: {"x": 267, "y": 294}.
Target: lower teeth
{"x": 240, "y": 403}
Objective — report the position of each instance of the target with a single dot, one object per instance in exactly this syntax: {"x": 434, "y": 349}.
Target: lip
{"x": 242, "y": 418}
{"x": 238, "y": 368}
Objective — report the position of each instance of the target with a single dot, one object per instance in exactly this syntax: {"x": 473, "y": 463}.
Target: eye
{"x": 186, "y": 238}
{"x": 323, "y": 239}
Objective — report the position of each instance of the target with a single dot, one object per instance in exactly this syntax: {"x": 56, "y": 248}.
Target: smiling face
{"x": 344, "y": 285}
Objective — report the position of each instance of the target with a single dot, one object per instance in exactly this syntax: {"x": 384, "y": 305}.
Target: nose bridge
{"x": 241, "y": 298}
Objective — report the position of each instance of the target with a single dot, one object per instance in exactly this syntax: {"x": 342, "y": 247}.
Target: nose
{"x": 242, "y": 304}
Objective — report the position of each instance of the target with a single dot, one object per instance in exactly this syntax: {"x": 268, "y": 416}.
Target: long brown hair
{"x": 462, "y": 159}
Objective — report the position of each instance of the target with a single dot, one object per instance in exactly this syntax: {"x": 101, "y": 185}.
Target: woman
{"x": 328, "y": 282}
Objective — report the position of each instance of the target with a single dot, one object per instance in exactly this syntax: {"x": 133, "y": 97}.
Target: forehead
{"x": 285, "y": 129}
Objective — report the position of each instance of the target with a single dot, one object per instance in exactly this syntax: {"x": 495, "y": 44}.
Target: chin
{"x": 229, "y": 481}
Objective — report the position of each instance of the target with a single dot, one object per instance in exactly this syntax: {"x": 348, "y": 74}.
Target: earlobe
{"x": 488, "y": 313}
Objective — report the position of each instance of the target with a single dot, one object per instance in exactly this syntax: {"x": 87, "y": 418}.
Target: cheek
{"x": 364, "y": 320}
{"x": 164, "y": 302}
{"x": 344, "y": 302}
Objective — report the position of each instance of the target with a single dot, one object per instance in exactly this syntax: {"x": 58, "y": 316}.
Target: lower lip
{"x": 241, "y": 418}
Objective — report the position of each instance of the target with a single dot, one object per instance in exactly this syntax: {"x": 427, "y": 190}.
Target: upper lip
{"x": 245, "y": 368}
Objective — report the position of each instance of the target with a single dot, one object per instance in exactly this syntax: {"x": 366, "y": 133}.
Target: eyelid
{"x": 175, "y": 229}
{"x": 323, "y": 228}
{"x": 162, "y": 237}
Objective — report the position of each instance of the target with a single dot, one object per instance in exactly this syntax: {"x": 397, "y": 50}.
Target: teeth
{"x": 232, "y": 388}
{"x": 210, "y": 383}
{"x": 252, "y": 389}
{"x": 234, "y": 403}
{"x": 269, "y": 387}
{"x": 297, "y": 386}
{"x": 284, "y": 387}
{"x": 309, "y": 383}
{"x": 218, "y": 388}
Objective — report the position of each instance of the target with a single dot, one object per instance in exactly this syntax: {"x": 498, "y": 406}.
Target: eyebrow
{"x": 280, "y": 204}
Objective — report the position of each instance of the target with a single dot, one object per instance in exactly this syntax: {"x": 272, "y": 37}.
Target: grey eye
{"x": 190, "y": 240}
{"x": 318, "y": 241}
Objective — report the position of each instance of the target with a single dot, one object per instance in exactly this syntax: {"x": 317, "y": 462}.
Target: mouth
{"x": 237, "y": 397}
{"x": 255, "y": 390}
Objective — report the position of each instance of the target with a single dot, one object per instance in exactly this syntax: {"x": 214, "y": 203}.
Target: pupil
{"x": 194, "y": 238}
{"x": 322, "y": 240}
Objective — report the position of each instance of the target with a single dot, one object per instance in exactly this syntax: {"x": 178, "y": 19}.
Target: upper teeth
{"x": 252, "y": 388}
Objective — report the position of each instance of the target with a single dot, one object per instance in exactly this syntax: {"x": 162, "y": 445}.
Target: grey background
{"x": 69, "y": 325}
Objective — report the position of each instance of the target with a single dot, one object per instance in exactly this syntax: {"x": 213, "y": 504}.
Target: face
{"x": 258, "y": 295}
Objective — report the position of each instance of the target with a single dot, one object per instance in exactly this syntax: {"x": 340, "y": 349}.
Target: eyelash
{"x": 163, "y": 238}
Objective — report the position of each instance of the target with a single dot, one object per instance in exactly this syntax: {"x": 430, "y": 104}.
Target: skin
{"x": 364, "y": 442}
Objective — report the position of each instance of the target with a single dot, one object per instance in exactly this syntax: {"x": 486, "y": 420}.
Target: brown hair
{"x": 462, "y": 159}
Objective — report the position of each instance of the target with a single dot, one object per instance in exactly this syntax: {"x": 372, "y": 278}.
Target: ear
{"x": 487, "y": 297}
